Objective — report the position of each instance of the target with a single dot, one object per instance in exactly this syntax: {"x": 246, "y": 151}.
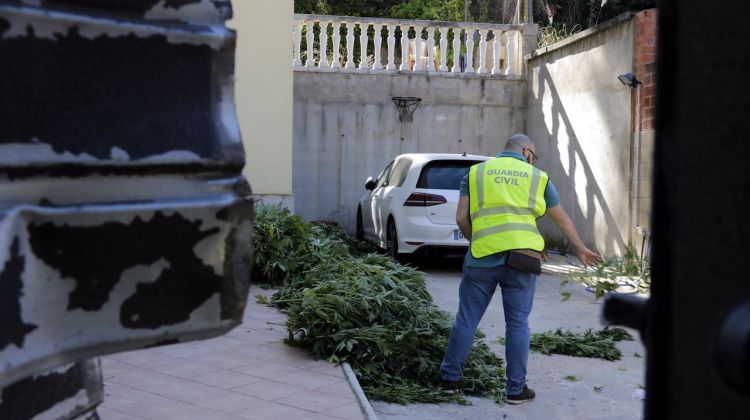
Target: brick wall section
{"x": 644, "y": 63}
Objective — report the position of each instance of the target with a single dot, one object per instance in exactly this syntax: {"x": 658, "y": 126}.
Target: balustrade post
{"x": 417, "y": 48}
{"x": 404, "y": 47}
{"x": 310, "y": 62}
{"x": 336, "y": 63}
{"x": 377, "y": 44}
{"x": 391, "y": 47}
{"x": 482, "y": 52}
{"x": 363, "y": 46}
{"x": 323, "y": 38}
{"x": 456, "y": 51}
{"x": 430, "y": 49}
{"x": 349, "y": 45}
{"x": 496, "y": 51}
{"x": 511, "y": 50}
{"x": 297, "y": 43}
{"x": 443, "y": 48}
{"x": 470, "y": 51}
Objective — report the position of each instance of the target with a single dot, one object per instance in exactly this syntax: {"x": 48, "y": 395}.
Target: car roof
{"x": 426, "y": 157}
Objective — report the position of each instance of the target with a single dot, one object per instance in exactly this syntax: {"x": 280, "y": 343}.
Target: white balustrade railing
{"x": 388, "y": 45}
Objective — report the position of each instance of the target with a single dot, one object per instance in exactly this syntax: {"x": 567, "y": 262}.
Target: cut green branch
{"x": 599, "y": 344}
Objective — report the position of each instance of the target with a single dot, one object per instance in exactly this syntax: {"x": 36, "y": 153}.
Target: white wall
{"x": 580, "y": 117}
{"x": 346, "y": 128}
{"x": 263, "y": 90}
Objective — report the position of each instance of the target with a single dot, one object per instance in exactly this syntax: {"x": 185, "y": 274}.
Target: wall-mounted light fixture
{"x": 628, "y": 79}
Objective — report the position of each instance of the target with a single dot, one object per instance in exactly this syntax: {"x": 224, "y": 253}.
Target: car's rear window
{"x": 444, "y": 174}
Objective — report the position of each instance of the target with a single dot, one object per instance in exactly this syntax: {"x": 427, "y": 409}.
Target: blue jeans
{"x": 475, "y": 293}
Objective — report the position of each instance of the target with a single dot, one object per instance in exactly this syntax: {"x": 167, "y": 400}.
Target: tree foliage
{"x": 584, "y": 13}
{"x": 488, "y": 11}
{"x": 448, "y": 10}
{"x": 557, "y": 13}
{"x": 368, "y": 8}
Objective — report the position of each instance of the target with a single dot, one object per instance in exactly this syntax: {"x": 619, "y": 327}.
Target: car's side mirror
{"x": 370, "y": 183}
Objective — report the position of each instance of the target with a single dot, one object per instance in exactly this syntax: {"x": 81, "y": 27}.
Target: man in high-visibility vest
{"x": 500, "y": 201}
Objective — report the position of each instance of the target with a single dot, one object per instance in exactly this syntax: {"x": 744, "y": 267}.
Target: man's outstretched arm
{"x": 566, "y": 226}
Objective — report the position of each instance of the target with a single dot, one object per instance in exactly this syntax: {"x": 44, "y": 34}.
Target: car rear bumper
{"x": 418, "y": 232}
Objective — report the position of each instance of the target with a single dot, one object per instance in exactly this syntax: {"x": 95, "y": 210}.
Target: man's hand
{"x": 588, "y": 257}
{"x": 563, "y": 222}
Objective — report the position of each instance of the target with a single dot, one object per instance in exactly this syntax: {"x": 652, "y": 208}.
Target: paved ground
{"x": 557, "y": 398}
{"x": 251, "y": 374}
{"x": 247, "y": 374}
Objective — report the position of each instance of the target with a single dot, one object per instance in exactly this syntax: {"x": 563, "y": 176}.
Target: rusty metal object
{"x": 124, "y": 219}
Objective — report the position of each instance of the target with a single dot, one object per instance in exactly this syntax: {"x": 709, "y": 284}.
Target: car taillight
{"x": 418, "y": 199}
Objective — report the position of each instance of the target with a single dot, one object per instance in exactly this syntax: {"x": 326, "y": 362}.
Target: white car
{"x": 411, "y": 206}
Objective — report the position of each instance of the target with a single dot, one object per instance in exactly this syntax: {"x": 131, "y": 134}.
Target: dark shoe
{"x": 446, "y": 387}
{"x": 525, "y": 395}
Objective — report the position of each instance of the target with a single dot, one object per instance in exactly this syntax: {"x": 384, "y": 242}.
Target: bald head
{"x": 518, "y": 142}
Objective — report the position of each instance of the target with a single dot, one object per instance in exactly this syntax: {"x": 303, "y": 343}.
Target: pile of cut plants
{"x": 346, "y": 303}
{"x": 615, "y": 273}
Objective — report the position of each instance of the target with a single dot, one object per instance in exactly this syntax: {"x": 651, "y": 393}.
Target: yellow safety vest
{"x": 506, "y": 196}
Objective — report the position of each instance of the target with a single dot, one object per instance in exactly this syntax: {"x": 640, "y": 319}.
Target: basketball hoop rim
{"x": 405, "y": 100}
{"x": 406, "y": 106}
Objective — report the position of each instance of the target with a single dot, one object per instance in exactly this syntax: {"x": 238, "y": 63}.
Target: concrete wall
{"x": 580, "y": 116}
{"x": 346, "y": 128}
{"x": 263, "y": 93}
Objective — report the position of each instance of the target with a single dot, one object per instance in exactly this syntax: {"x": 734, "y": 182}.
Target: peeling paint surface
{"x": 187, "y": 11}
{"x": 12, "y": 153}
{"x": 11, "y": 291}
{"x": 81, "y": 89}
{"x": 68, "y": 391}
{"x": 181, "y": 10}
{"x": 134, "y": 275}
{"x": 51, "y": 25}
{"x": 124, "y": 219}
{"x": 95, "y": 268}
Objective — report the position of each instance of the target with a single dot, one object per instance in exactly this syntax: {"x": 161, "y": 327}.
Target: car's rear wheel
{"x": 392, "y": 240}
{"x": 360, "y": 225}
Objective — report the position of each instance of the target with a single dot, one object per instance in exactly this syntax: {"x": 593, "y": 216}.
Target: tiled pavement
{"x": 249, "y": 373}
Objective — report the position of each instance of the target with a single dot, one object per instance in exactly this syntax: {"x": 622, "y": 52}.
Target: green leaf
{"x": 261, "y": 299}
{"x": 565, "y": 295}
{"x": 571, "y": 378}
